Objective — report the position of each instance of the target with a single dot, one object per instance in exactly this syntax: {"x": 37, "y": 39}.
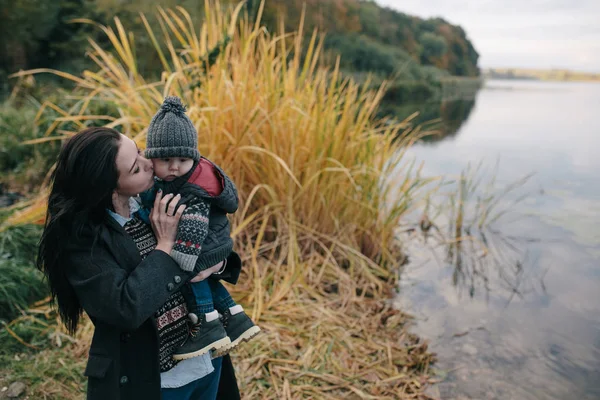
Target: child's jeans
{"x": 209, "y": 295}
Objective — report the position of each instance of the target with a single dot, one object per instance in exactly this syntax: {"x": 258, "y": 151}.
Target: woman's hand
{"x": 164, "y": 219}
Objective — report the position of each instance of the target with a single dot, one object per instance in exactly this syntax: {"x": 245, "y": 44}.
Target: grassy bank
{"x": 317, "y": 222}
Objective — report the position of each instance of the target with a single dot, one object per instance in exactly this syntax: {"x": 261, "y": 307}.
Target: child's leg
{"x": 220, "y": 297}
{"x": 203, "y": 298}
{"x": 238, "y": 325}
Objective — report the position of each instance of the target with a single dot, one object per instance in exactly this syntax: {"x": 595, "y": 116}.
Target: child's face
{"x": 168, "y": 169}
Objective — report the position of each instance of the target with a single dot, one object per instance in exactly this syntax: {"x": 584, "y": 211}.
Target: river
{"x": 518, "y": 318}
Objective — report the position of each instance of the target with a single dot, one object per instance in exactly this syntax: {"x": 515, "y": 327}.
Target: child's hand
{"x": 207, "y": 272}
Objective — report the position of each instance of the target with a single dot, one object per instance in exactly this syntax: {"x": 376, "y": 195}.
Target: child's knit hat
{"x": 171, "y": 133}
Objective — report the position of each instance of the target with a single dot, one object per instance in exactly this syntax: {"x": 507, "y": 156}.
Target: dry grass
{"x": 317, "y": 221}
{"x": 327, "y": 338}
{"x": 321, "y": 340}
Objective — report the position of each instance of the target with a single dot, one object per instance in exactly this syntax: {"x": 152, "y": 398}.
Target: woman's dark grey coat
{"x": 121, "y": 293}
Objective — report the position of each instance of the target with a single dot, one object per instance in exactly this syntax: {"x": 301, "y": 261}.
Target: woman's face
{"x": 135, "y": 172}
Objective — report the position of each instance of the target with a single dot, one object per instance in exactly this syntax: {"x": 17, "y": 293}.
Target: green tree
{"x": 23, "y": 24}
{"x": 370, "y": 19}
{"x": 434, "y": 46}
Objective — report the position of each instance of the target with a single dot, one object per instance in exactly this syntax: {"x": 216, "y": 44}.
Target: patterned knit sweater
{"x": 191, "y": 232}
{"x": 171, "y": 318}
{"x": 204, "y": 234}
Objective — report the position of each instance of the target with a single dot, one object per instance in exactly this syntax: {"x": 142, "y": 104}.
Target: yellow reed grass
{"x": 318, "y": 213}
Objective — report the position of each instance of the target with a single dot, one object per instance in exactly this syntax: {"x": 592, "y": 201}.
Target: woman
{"x": 99, "y": 260}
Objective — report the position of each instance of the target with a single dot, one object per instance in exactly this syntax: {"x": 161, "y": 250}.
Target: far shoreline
{"x": 543, "y": 75}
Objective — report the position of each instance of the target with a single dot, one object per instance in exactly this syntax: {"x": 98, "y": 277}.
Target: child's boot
{"x": 239, "y": 328}
{"x": 206, "y": 334}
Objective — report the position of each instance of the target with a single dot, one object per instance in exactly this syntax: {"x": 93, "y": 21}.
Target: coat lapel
{"x": 125, "y": 250}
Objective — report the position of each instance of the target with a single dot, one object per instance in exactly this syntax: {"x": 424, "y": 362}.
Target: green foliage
{"x": 28, "y": 21}
{"x": 411, "y": 52}
{"x": 23, "y": 26}
{"x": 433, "y": 74}
{"x": 433, "y": 46}
{"x": 432, "y": 41}
{"x": 369, "y": 17}
{"x": 16, "y": 126}
{"x": 20, "y": 282}
{"x": 24, "y": 165}
{"x": 61, "y": 48}
{"x": 20, "y": 285}
{"x": 361, "y": 53}
{"x": 36, "y": 33}
{"x": 20, "y": 243}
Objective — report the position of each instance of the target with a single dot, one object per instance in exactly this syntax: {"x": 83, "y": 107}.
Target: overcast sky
{"x": 521, "y": 33}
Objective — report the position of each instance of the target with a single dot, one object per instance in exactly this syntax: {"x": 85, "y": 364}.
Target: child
{"x": 172, "y": 145}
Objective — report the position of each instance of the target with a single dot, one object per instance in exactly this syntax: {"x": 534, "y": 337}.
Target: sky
{"x": 521, "y": 33}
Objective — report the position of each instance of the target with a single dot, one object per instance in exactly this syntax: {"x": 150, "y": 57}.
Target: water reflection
{"x": 486, "y": 261}
{"x": 442, "y": 117}
{"x": 461, "y": 234}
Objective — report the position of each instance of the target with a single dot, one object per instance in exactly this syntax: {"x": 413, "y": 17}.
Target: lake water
{"x": 521, "y": 320}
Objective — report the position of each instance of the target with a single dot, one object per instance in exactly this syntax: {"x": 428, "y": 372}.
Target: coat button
{"x": 124, "y": 380}
{"x": 125, "y": 336}
{"x": 170, "y": 286}
{"x": 177, "y": 278}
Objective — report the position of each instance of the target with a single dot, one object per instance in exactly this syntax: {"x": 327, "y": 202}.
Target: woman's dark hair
{"x": 85, "y": 177}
